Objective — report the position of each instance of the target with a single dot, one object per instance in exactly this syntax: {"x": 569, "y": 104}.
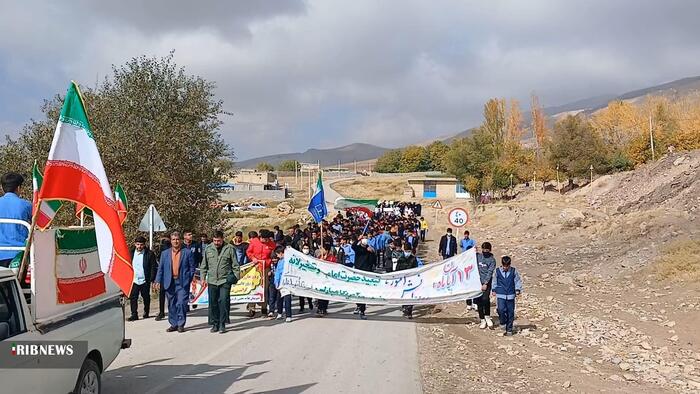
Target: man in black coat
{"x": 448, "y": 245}
{"x": 364, "y": 261}
{"x": 406, "y": 261}
{"x": 145, "y": 268}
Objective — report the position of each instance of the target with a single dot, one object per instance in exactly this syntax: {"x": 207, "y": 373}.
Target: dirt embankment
{"x": 605, "y": 308}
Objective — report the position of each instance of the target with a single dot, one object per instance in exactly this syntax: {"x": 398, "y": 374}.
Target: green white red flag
{"x": 122, "y": 203}
{"x": 74, "y": 172}
{"x": 45, "y": 211}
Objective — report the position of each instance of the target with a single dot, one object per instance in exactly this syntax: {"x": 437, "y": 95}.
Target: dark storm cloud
{"x": 326, "y": 73}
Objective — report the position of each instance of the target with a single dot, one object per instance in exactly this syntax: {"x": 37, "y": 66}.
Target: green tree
{"x": 414, "y": 159}
{"x": 264, "y": 166}
{"x": 437, "y": 153}
{"x": 157, "y": 131}
{"x": 495, "y": 122}
{"x": 389, "y": 162}
{"x": 575, "y": 146}
{"x": 288, "y": 165}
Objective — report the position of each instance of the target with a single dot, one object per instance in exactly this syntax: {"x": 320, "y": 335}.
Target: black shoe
{"x": 319, "y": 313}
{"x": 222, "y": 330}
{"x": 301, "y": 310}
{"x": 356, "y": 311}
{"x": 171, "y": 329}
{"x": 132, "y": 318}
{"x": 410, "y": 317}
{"x": 181, "y": 329}
{"x": 363, "y": 316}
{"x": 146, "y": 316}
{"x": 213, "y": 329}
{"x": 160, "y": 317}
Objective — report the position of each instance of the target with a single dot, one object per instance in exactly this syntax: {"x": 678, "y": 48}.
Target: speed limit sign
{"x": 458, "y": 217}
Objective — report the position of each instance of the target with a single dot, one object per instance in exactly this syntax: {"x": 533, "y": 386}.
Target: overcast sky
{"x": 320, "y": 73}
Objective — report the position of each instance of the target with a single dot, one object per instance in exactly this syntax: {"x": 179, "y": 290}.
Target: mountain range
{"x": 362, "y": 152}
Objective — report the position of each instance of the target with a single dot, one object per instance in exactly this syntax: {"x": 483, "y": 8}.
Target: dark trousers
{"x": 285, "y": 301}
{"x": 219, "y": 301}
{"x": 178, "y": 297}
{"x": 407, "y": 310}
{"x": 301, "y": 302}
{"x": 483, "y": 303}
{"x": 362, "y": 307}
{"x": 5, "y": 263}
{"x": 161, "y": 302}
{"x": 272, "y": 295}
{"x": 145, "y": 291}
{"x": 506, "y": 313}
{"x": 422, "y": 235}
{"x": 323, "y": 305}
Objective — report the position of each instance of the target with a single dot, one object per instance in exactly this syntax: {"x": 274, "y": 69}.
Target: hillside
{"x": 611, "y": 298}
{"x": 327, "y": 157}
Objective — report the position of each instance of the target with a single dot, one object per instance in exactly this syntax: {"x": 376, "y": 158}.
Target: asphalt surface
{"x": 336, "y": 354}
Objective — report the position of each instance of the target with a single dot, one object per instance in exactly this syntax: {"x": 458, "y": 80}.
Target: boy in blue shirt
{"x": 13, "y": 207}
{"x": 287, "y": 299}
{"x": 507, "y": 285}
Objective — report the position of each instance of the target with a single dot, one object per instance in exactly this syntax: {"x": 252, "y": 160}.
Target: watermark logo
{"x": 42, "y": 354}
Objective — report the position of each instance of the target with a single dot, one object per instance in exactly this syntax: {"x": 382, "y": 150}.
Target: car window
{"x": 10, "y": 308}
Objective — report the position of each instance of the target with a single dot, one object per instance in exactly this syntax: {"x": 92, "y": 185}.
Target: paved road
{"x": 336, "y": 354}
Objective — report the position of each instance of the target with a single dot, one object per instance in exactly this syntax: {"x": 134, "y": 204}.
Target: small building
{"x": 435, "y": 187}
{"x": 254, "y": 177}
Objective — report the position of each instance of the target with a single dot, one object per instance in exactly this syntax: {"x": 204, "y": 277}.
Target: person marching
{"x": 220, "y": 270}
{"x": 448, "y": 245}
{"x": 406, "y": 261}
{"x": 507, "y": 286}
{"x": 364, "y": 260}
{"x": 326, "y": 255}
{"x": 175, "y": 273}
{"x": 145, "y": 268}
{"x": 285, "y": 300}
{"x": 487, "y": 265}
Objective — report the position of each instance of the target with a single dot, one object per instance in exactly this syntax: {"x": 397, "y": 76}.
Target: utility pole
{"x": 355, "y": 161}
{"x": 296, "y": 177}
{"x": 558, "y": 187}
{"x": 651, "y": 137}
{"x": 591, "y": 173}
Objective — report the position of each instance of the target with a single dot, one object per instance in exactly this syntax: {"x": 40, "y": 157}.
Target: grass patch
{"x": 241, "y": 215}
{"x": 680, "y": 261}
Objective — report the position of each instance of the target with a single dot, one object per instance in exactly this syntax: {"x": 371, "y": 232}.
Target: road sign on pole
{"x": 152, "y": 222}
{"x": 458, "y": 217}
{"x": 437, "y": 204}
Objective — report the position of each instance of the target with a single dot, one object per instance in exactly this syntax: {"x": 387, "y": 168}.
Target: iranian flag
{"x": 356, "y": 205}
{"x": 122, "y": 203}
{"x": 45, "y": 211}
{"x": 74, "y": 172}
{"x": 79, "y": 276}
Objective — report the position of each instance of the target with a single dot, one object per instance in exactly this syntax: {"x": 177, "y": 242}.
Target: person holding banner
{"x": 326, "y": 255}
{"x": 285, "y": 300}
{"x": 364, "y": 261}
{"x": 219, "y": 270}
{"x": 486, "y": 264}
{"x": 406, "y": 261}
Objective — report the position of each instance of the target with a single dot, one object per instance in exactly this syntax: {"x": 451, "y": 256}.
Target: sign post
{"x": 438, "y": 206}
{"x": 152, "y": 222}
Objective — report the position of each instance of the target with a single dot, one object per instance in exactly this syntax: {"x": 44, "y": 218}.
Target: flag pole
{"x": 22, "y": 273}
{"x": 82, "y": 218}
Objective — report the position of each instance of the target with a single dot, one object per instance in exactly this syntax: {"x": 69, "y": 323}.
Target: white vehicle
{"x": 233, "y": 208}
{"x": 36, "y": 315}
{"x": 257, "y": 205}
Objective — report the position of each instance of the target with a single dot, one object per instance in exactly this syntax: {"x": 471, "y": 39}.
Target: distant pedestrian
{"x": 423, "y": 228}
{"x": 145, "y": 268}
{"x": 306, "y": 249}
{"x": 507, "y": 286}
{"x": 448, "y": 245}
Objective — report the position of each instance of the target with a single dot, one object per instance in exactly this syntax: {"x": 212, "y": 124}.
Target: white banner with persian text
{"x": 454, "y": 279}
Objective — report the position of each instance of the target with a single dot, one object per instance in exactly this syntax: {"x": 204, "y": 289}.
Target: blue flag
{"x": 317, "y": 205}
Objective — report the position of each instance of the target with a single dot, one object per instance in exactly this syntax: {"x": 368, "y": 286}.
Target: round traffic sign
{"x": 458, "y": 217}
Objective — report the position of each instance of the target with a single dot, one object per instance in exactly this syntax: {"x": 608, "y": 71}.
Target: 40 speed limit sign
{"x": 458, "y": 217}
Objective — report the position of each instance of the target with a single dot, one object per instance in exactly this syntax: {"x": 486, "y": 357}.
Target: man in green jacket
{"x": 220, "y": 270}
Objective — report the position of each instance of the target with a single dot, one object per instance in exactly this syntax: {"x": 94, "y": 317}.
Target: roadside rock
{"x": 285, "y": 208}
{"x": 571, "y": 218}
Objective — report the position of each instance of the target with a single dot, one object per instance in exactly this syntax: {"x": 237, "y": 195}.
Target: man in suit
{"x": 448, "y": 245}
{"x": 174, "y": 276}
{"x": 145, "y": 268}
